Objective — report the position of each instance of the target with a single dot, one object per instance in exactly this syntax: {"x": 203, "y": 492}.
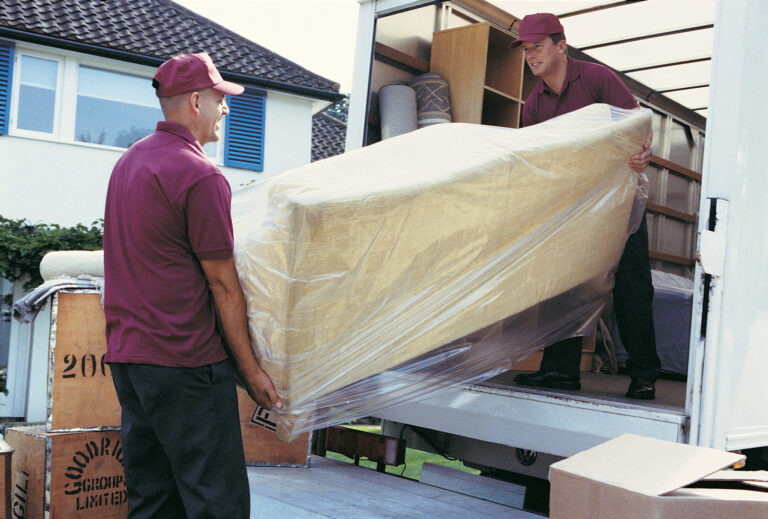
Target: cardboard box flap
{"x": 646, "y": 465}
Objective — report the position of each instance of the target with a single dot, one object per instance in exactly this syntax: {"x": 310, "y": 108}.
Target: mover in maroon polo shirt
{"x": 566, "y": 85}
{"x": 169, "y": 276}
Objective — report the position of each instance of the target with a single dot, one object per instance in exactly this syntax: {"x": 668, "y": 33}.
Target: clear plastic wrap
{"x": 672, "y": 309}
{"x": 438, "y": 257}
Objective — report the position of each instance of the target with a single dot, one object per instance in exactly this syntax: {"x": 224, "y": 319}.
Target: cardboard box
{"x": 260, "y": 442}
{"x": 645, "y": 478}
{"x": 67, "y": 474}
{"x": 80, "y": 390}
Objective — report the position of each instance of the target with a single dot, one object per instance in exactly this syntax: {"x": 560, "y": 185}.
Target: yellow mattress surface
{"x": 358, "y": 263}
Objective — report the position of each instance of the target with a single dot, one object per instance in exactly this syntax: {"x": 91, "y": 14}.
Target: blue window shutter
{"x": 244, "y": 139}
{"x": 6, "y": 68}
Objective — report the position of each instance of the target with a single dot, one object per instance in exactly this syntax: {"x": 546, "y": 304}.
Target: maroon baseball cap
{"x": 536, "y": 27}
{"x": 189, "y": 72}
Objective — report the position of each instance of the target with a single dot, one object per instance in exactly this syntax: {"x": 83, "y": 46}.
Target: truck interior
{"x": 439, "y": 37}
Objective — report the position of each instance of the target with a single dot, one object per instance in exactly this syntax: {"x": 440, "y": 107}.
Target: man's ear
{"x": 194, "y": 101}
{"x": 562, "y": 47}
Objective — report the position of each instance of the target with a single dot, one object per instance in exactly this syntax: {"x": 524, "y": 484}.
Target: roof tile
{"x": 328, "y": 136}
{"x": 156, "y": 28}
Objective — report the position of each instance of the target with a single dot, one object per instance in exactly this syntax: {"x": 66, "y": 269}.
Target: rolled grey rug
{"x": 433, "y": 99}
{"x": 397, "y": 110}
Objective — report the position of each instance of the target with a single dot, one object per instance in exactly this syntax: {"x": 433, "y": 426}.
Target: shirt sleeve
{"x": 209, "y": 220}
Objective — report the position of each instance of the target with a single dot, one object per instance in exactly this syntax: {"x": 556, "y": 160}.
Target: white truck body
{"x": 725, "y": 393}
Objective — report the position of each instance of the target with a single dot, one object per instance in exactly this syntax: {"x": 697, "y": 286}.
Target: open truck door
{"x": 730, "y": 330}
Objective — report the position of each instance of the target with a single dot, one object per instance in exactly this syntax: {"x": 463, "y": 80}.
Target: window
{"x": 75, "y": 98}
{"x": 37, "y": 94}
{"x": 132, "y": 107}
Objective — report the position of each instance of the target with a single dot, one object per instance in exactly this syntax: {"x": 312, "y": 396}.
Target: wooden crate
{"x": 83, "y": 469}
{"x": 6, "y": 458}
{"x": 262, "y": 448}
{"x": 80, "y": 390}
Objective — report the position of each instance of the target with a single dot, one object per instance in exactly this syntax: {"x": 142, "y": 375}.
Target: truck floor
{"x": 670, "y": 394}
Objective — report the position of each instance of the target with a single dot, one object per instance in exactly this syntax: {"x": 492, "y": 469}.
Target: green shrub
{"x": 24, "y": 245}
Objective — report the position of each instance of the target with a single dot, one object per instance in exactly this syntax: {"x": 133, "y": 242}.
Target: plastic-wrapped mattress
{"x": 364, "y": 263}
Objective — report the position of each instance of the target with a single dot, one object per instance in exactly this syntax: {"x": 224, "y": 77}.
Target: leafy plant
{"x": 24, "y": 244}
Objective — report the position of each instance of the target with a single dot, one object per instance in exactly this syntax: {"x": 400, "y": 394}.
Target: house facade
{"x": 75, "y": 92}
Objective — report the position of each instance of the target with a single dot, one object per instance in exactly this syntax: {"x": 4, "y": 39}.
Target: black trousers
{"x": 183, "y": 452}
{"x": 633, "y": 303}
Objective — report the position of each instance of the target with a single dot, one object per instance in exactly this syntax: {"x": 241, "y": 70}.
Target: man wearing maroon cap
{"x": 566, "y": 85}
{"x": 175, "y": 312}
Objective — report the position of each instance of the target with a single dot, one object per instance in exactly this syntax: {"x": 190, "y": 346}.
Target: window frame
{"x": 13, "y": 129}
{"x": 65, "y": 104}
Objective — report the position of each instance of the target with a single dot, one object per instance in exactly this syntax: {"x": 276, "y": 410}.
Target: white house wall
{"x": 65, "y": 183}
{"x": 287, "y": 133}
{"x": 52, "y": 182}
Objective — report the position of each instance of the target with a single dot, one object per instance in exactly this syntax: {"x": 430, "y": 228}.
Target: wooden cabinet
{"x": 488, "y": 80}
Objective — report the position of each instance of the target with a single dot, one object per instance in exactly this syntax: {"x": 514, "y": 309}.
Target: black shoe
{"x": 641, "y": 390}
{"x": 548, "y": 379}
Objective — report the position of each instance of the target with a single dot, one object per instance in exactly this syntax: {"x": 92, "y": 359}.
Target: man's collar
{"x": 572, "y": 72}
{"x": 179, "y": 130}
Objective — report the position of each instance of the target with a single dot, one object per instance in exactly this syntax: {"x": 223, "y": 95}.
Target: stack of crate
{"x": 72, "y": 466}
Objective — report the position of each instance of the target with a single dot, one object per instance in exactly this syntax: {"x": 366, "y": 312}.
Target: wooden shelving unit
{"x": 488, "y": 80}
{"x": 399, "y": 59}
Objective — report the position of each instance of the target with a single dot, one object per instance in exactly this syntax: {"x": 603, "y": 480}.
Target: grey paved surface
{"x": 333, "y": 489}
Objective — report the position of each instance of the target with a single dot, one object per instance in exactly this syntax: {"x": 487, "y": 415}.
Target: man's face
{"x": 541, "y": 56}
{"x": 213, "y": 107}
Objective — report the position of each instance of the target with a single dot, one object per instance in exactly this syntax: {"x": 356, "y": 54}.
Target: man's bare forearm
{"x": 230, "y": 307}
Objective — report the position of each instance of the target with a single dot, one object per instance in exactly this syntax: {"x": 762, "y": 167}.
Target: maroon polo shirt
{"x": 585, "y": 83}
{"x": 168, "y": 207}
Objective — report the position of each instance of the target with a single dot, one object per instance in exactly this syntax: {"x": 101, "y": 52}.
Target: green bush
{"x": 24, "y": 245}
